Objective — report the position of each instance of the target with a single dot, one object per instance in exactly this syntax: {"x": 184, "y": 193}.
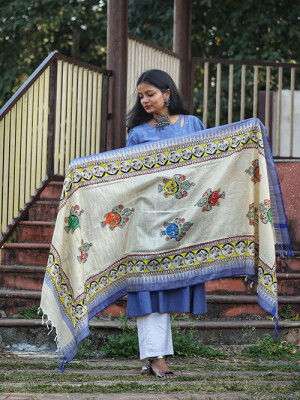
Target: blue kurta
{"x": 190, "y": 299}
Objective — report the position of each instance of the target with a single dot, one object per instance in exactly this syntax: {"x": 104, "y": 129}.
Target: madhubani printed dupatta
{"x": 164, "y": 215}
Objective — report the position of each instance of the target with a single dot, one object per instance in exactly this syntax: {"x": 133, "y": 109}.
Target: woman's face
{"x": 153, "y": 99}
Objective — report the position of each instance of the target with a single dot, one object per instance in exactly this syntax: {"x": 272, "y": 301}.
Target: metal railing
{"x": 230, "y": 90}
{"x": 59, "y": 113}
{"x": 143, "y": 55}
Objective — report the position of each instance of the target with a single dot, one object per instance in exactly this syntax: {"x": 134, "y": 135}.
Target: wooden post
{"x": 182, "y": 46}
{"x": 117, "y": 28}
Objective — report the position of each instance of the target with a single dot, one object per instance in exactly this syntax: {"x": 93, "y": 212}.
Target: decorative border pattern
{"x": 197, "y": 151}
{"x": 153, "y": 267}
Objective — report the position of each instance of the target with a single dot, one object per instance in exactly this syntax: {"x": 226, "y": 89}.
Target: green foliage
{"x": 271, "y": 349}
{"x": 287, "y": 313}
{"x": 28, "y": 313}
{"x": 29, "y": 31}
{"x": 85, "y": 349}
{"x": 266, "y": 31}
{"x": 152, "y": 21}
{"x": 187, "y": 345}
{"x": 124, "y": 345}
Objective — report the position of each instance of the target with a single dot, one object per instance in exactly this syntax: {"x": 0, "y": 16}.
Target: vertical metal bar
{"x": 18, "y": 155}
{"x": 51, "y": 87}
{"x": 267, "y": 104}
{"x": 243, "y": 89}
{"x": 34, "y": 137}
{"x": 230, "y": 93}
{"x": 79, "y": 113}
{"x": 68, "y": 116}
{"x": 205, "y": 93}
{"x": 98, "y": 102}
{"x": 74, "y": 113}
{"x": 83, "y": 111}
{"x": 11, "y": 170}
{"x": 62, "y": 146}
{"x": 279, "y": 109}
{"x": 218, "y": 95}
{"x": 23, "y": 153}
{"x": 6, "y": 171}
{"x": 57, "y": 117}
{"x": 93, "y": 111}
{"x": 255, "y": 91}
{"x": 40, "y": 111}
{"x": 131, "y": 68}
{"x": 29, "y": 144}
{"x": 89, "y": 113}
{"x": 104, "y": 113}
{"x": 2, "y": 133}
{"x": 292, "y": 111}
{"x": 46, "y": 120}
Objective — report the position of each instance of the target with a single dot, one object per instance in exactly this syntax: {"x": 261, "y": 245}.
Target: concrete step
{"x": 11, "y": 300}
{"x": 224, "y": 307}
{"x": 233, "y": 307}
{"x": 44, "y": 210}
{"x": 288, "y": 265}
{"x": 34, "y": 232}
{"x": 31, "y": 278}
{"x": 25, "y": 254}
{"x": 21, "y": 277}
{"x": 215, "y": 333}
{"x": 52, "y": 191}
{"x": 288, "y": 285}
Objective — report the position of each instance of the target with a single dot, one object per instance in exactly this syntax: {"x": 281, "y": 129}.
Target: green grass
{"x": 246, "y": 387}
{"x": 203, "y": 365}
{"x": 269, "y": 348}
{"x": 278, "y": 379}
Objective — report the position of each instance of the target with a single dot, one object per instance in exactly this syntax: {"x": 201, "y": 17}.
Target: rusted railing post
{"x": 182, "y": 46}
{"x": 117, "y": 27}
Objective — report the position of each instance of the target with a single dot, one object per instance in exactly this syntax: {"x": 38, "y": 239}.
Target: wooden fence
{"x": 142, "y": 56}
{"x": 229, "y": 90}
{"x": 59, "y": 113}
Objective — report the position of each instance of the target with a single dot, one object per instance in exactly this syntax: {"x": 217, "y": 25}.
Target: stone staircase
{"x": 232, "y": 303}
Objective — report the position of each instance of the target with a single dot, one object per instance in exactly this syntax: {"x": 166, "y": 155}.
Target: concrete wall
{"x": 289, "y": 176}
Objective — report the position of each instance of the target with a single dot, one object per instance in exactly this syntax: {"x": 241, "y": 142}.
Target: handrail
{"x": 245, "y": 62}
{"x": 153, "y": 45}
{"x": 59, "y": 113}
{"x": 39, "y": 70}
{"x": 27, "y": 84}
{"x": 228, "y": 90}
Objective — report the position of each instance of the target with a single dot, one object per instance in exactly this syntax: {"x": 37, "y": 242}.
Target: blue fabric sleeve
{"x": 132, "y": 139}
{"x": 198, "y": 125}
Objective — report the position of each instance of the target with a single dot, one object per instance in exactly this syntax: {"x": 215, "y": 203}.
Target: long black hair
{"x": 162, "y": 81}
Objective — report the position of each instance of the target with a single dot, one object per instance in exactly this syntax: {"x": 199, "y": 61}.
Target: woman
{"x": 159, "y": 114}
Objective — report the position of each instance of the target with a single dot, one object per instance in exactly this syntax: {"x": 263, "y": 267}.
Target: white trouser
{"x": 155, "y": 336}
